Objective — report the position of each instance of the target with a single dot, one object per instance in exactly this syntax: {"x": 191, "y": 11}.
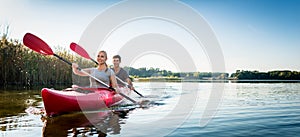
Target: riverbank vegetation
{"x": 271, "y": 75}
{"x": 155, "y": 74}
{"x": 25, "y": 69}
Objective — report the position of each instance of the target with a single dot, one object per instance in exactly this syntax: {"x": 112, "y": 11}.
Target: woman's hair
{"x": 104, "y": 52}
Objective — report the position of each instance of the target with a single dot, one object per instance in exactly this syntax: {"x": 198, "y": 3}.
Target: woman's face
{"x": 101, "y": 58}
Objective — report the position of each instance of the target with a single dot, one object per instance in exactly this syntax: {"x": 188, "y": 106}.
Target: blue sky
{"x": 253, "y": 34}
{"x": 256, "y": 34}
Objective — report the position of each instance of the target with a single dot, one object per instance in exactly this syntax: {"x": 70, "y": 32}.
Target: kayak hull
{"x": 59, "y": 102}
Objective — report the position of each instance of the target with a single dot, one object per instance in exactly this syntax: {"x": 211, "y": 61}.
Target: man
{"x": 120, "y": 72}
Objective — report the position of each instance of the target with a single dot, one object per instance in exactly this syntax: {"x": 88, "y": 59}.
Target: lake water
{"x": 176, "y": 109}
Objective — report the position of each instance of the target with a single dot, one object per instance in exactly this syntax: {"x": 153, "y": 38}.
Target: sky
{"x": 258, "y": 35}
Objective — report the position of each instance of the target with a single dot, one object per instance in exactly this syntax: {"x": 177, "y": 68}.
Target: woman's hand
{"x": 75, "y": 68}
{"x": 74, "y": 65}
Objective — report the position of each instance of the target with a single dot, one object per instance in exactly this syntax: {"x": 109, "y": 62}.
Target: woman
{"x": 101, "y": 72}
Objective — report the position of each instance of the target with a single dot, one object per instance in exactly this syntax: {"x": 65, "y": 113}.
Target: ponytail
{"x": 106, "y": 67}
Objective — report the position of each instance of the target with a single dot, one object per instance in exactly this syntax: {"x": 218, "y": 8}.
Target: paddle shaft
{"x": 128, "y": 86}
{"x": 121, "y": 80}
{"x": 59, "y": 57}
{"x": 94, "y": 61}
{"x": 125, "y": 96}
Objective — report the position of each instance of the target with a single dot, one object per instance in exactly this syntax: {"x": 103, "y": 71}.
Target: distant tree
{"x": 276, "y": 75}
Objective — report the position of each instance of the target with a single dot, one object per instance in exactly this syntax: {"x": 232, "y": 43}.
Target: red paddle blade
{"x": 35, "y": 43}
{"x": 79, "y": 50}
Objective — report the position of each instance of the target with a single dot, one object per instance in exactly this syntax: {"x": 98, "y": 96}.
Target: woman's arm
{"x": 77, "y": 72}
{"x": 113, "y": 81}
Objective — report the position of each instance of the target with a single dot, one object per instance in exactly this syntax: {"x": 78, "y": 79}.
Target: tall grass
{"x": 20, "y": 67}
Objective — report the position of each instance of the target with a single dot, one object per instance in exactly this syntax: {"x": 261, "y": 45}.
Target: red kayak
{"x": 79, "y": 99}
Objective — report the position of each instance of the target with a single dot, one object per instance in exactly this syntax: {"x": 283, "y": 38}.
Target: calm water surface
{"x": 245, "y": 109}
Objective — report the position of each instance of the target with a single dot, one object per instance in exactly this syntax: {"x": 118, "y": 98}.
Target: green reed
{"x": 20, "y": 67}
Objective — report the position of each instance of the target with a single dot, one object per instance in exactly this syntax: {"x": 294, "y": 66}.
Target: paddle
{"x": 82, "y": 52}
{"x": 35, "y": 43}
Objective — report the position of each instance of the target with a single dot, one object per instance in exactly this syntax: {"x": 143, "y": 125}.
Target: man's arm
{"x": 129, "y": 82}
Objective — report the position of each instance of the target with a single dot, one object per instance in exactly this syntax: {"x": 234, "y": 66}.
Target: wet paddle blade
{"x": 79, "y": 50}
{"x": 35, "y": 43}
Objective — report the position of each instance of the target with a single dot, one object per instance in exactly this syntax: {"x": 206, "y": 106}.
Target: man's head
{"x": 116, "y": 60}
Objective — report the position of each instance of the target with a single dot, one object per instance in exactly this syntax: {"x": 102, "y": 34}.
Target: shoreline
{"x": 214, "y": 80}
{"x": 175, "y": 80}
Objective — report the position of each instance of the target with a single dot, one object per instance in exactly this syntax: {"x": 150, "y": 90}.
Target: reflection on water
{"x": 14, "y": 102}
{"x": 84, "y": 124}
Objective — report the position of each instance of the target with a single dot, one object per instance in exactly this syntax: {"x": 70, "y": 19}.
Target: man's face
{"x": 116, "y": 62}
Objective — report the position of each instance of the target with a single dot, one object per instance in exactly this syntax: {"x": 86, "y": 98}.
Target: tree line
{"x": 271, "y": 75}
{"x": 156, "y": 72}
